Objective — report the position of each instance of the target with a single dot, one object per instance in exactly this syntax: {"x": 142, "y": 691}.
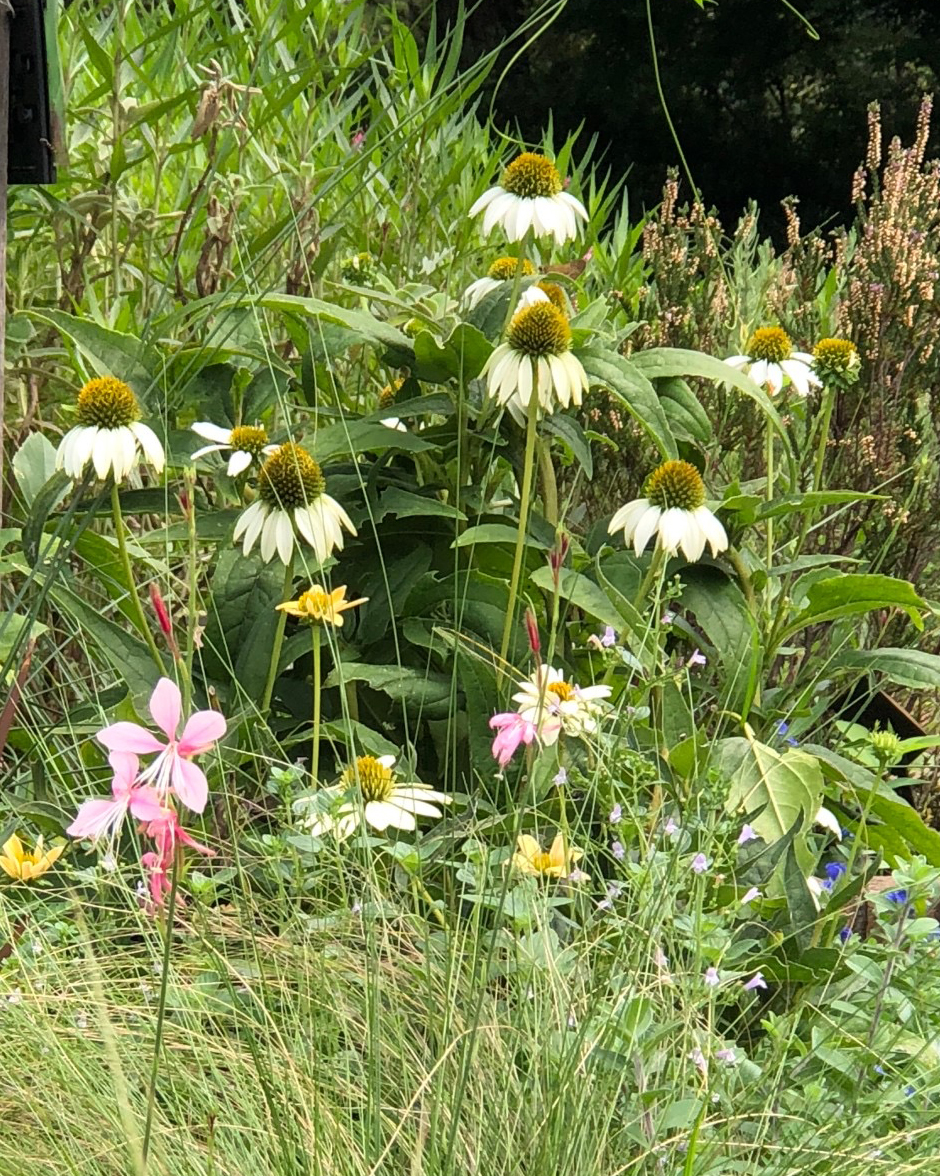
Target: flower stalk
{"x": 141, "y": 616}
{"x": 525, "y": 491}
{"x": 278, "y": 637}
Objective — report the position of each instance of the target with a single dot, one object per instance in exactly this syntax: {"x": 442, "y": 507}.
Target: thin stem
{"x": 278, "y": 636}
{"x": 524, "y": 493}
{"x": 769, "y": 494}
{"x": 829, "y": 400}
{"x": 317, "y": 689}
{"x": 656, "y": 562}
{"x": 131, "y": 583}
{"x": 161, "y": 1009}
{"x": 192, "y": 613}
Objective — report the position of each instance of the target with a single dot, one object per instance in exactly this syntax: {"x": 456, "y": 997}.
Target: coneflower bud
{"x": 532, "y": 627}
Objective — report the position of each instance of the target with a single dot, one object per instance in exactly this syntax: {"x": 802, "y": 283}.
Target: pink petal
{"x": 185, "y": 839}
{"x": 201, "y": 731}
{"x": 145, "y": 804}
{"x": 125, "y": 766}
{"x": 94, "y": 817}
{"x": 190, "y": 785}
{"x": 166, "y": 705}
{"x": 129, "y": 738}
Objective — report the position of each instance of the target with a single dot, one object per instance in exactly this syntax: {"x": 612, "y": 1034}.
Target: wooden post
{"x": 6, "y": 13}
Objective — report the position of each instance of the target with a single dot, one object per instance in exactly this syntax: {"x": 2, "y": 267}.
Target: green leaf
{"x": 723, "y": 615}
{"x": 414, "y": 688}
{"x": 812, "y": 500}
{"x": 759, "y": 777}
{"x": 33, "y": 466}
{"x": 800, "y": 905}
{"x": 908, "y": 667}
{"x": 242, "y": 619}
{"x": 351, "y": 437}
{"x": 495, "y": 533}
{"x": 627, "y": 383}
{"x": 570, "y": 431}
{"x": 403, "y": 504}
{"x": 580, "y": 592}
{"x": 683, "y": 410}
{"x": 460, "y": 357}
{"x": 44, "y": 503}
{"x": 128, "y": 655}
{"x": 907, "y": 822}
{"x": 107, "y": 352}
{"x": 363, "y": 325}
{"x": 658, "y": 362}
{"x": 856, "y": 592}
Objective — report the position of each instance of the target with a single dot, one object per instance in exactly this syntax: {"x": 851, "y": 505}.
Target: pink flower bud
{"x": 532, "y": 628}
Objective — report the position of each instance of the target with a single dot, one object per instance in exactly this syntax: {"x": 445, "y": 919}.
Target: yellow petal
{"x": 10, "y": 866}
{"x": 52, "y": 856}
{"x": 528, "y": 847}
{"x": 556, "y": 854}
{"x": 13, "y": 848}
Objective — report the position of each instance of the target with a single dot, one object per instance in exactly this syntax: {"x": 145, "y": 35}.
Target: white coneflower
{"x": 503, "y": 270}
{"x": 248, "y": 443}
{"x": 292, "y": 493}
{"x": 673, "y": 506}
{"x": 535, "y": 360}
{"x": 771, "y": 361}
{"x": 554, "y": 705}
{"x": 109, "y": 433}
{"x": 376, "y": 798}
{"x": 530, "y": 195}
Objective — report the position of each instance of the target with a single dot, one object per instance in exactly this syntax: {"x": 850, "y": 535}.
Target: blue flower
{"x": 898, "y": 896}
{"x": 834, "y": 871}
{"x": 845, "y": 933}
{"x": 782, "y": 729}
{"x": 909, "y": 1090}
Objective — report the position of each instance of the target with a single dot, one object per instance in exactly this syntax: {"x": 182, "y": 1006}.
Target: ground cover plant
{"x": 439, "y": 617}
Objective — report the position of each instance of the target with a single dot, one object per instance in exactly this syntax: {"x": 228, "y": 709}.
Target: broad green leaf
{"x": 856, "y": 592}
{"x": 783, "y": 786}
{"x": 416, "y": 689}
{"x": 683, "y": 410}
{"x": 351, "y": 437}
{"x": 107, "y": 352}
{"x": 460, "y": 357}
{"x": 570, "y": 431}
{"x": 723, "y": 615}
{"x": 907, "y": 822}
{"x": 580, "y": 592}
{"x": 908, "y": 667}
{"x": 12, "y": 626}
{"x": 365, "y": 326}
{"x": 48, "y": 498}
{"x": 800, "y": 905}
{"x": 34, "y": 465}
{"x": 495, "y": 533}
{"x": 632, "y": 388}
{"x": 404, "y": 504}
{"x": 242, "y": 618}
{"x": 128, "y": 655}
{"x": 658, "y": 362}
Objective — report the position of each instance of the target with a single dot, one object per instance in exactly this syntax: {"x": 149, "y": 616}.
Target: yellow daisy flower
{"x": 320, "y": 607}
{"x": 23, "y": 866}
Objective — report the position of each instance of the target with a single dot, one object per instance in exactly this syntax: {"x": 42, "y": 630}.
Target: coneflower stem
{"x": 278, "y": 635}
{"x": 524, "y": 492}
{"x": 119, "y": 532}
{"x": 549, "y": 483}
{"x": 769, "y": 494}
{"x": 317, "y": 687}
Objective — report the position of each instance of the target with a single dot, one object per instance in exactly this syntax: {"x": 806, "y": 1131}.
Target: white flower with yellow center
{"x": 368, "y": 791}
{"x": 502, "y": 270}
{"x": 530, "y": 196}
{"x": 771, "y": 362}
{"x": 292, "y": 494}
{"x": 535, "y": 361}
{"x": 248, "y": 443}
{"x": 554, "y": 705}
{"x": 673, "y": 507}
{"x": 109, "y": 433}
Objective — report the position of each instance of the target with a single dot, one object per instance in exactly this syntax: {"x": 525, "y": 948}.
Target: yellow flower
{"x": 320, "y": 607}
{"x": 530, "y": 858}
{"x": 25, "y": 866}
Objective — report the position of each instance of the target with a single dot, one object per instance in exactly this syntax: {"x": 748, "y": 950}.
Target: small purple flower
{"x": 609, "y": 637}
{"x": 845, "y": 934}
{"x": 618, "y": 851}
{"x": 614, "y": 890}
{"x": 615, "y": 814}
{"x": 834, "y": 871}
{"x": 561, "y": 776}
{"x": 897, "y": 896}
{"x": 749, "y": 895}
{"x": 667, "y": 618}
{"x": 696, "y": 659}
{"x": 726, "y": 1055}
{"x": 782, "y": 729}
{"x": 909, "y": 1091}
{"x": 698, "y": 1059}
{"x": 756, "y": 981}
{"x": 711, "y": 977}
{"x": 670, "y": 828}
{"x": 699, "y": 864}
{"x": 879, "y": 1069}
{"x": 747, "y": 834}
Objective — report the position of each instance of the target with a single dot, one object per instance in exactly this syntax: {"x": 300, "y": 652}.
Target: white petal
{"x": 101, "y": 454}
{"x": 628, "y": 517}
{"x": 381, "y": 814}
{"x": 798, "y": 373}
{"x": 128, "y": 445}
{"x": 206, "y": 449}
{"x": 758, "y": 372}
{"x": 560, "y": 380}
{"x": 83, "y": 445}
{"x": 269, "y": 535}
{"x": 693, "y": 541}
{"x": 645, "y": 528}
{"x": 150, "y": 444}
{"x": 519, "y": 220}
{"x": 387, "y": 761}
{"x": 712, "y": 529}
{"x": 419, "y": 807}
{"x": 774, "y": 379}
{"x": 524, "y": 384}
{"x": 284, "y": 535}
{"x": 487, "y": 198}
{"x": 212, "y": 432}
{"x": 575, "y": 204}
{"x": 672, "y": 529}
{"x": 238, "y": 462}
{"x": 498, "y": 211}
{"x": 737, "y": 361}
{"x": 828, "y": 820}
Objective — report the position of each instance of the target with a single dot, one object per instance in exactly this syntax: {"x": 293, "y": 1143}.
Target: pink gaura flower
{"x": 512, "y": 729}
{"x": 173, "y": 768}
{"x": 167, "y": 833}
{"x": 97, "y": 818}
